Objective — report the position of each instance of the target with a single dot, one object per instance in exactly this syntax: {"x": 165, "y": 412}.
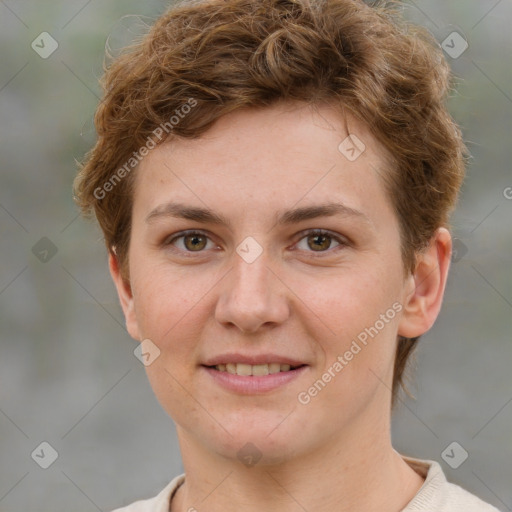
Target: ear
{"x": 124, "y": 293}
{"x": 426, "y": 286}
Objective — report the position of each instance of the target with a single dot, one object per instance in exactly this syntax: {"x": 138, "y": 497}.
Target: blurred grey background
{"x": 68, "y": 375}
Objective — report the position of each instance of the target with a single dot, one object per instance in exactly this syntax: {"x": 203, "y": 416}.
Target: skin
{"x": 294, "y": 299}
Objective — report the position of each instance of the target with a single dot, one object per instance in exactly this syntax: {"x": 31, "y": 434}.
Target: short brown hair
{"x": 223, "y": 55}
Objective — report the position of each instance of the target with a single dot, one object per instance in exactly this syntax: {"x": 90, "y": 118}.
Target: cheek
{"x": 166, "y": 301}
{"x": 352, "y": 301}
{"x": 357, "y": 361}
{"x": 170, "y": 313}
{"x": 358, "y": 307}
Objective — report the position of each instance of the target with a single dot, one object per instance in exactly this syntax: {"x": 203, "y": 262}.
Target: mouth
{"x": 256, "y": 370}
{"x": 253, "y": 379}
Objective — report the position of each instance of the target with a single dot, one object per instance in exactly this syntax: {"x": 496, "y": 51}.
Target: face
{"x": 263, "y": 242}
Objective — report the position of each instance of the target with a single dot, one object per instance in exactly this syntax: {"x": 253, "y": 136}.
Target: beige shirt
{"x": 435, "y": 495}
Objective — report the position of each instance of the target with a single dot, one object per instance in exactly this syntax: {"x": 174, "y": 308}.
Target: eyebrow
{"x": 294, "y": 216}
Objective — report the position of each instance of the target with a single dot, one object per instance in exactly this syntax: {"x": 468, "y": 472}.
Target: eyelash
{"x": 343, "y": 242}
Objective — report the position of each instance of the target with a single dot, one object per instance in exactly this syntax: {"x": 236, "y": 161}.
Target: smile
{"x": 247, "y": 379}
{"x": 256, "y": 369}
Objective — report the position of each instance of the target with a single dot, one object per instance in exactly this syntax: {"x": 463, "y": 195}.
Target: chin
{"x": 258, "y": 443}
{"x": 252, "y": 451}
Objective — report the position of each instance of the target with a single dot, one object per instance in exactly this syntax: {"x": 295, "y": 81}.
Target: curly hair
{"x": 217, "y": 56}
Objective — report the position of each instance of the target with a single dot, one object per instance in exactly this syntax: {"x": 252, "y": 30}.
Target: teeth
{"x": 243, "y": 369}
{"x": 256, "y": 369}
{"x": 260, "y": 369}
{"x": 274, "y": 368}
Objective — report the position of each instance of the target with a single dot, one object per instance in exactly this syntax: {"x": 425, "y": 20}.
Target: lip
{"x": 252, "y": 359}
{"x": 253, "y": 385}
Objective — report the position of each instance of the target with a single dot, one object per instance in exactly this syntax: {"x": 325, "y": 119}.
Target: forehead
{"x": 268, "y": 158}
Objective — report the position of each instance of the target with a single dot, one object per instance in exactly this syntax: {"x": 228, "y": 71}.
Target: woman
{"x": 274, "y": 180}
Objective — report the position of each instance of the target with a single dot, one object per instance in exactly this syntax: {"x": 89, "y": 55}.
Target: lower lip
{"x": 254, "y": 384}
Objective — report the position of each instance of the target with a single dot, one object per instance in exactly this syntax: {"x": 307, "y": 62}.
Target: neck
{"x": 358, "y": 470}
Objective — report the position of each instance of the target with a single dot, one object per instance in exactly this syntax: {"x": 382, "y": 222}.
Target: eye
{"x": 189, "y": 241}
{"x": 316, "y": 240}
{"x": 319, "y": 240}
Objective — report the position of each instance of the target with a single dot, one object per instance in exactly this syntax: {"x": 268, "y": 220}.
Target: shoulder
{"x": 159, "y": 503}
{"x": 438, "y": 494}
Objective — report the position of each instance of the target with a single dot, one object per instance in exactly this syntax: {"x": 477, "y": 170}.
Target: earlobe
{"x": 125, "y": 295}
{"x": 422, "y": 306}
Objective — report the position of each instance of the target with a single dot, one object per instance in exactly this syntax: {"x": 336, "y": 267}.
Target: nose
{"x": 252, "y": 296}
